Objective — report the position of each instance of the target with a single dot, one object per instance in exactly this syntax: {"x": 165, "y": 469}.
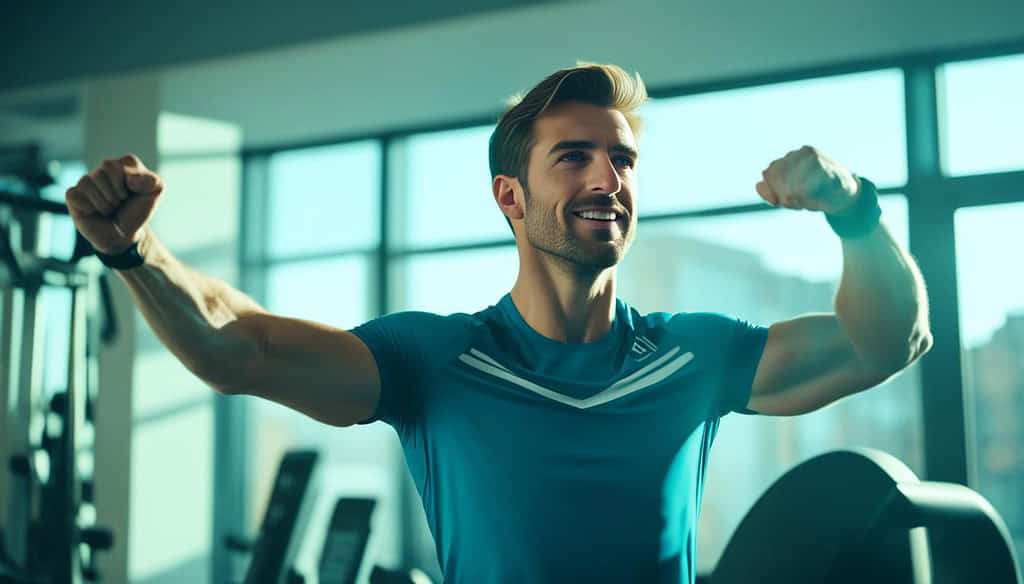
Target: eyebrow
{"x": 588, "y": 145}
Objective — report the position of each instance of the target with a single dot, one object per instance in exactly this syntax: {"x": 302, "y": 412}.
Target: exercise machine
{"x": 861, "y": 515}
{"x": 342, "y": 557}
{"x": 49, "y": 534}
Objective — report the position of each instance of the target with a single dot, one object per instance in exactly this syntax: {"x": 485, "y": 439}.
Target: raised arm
{"x": 220, "y": 334}
{"x": 880, "y": 324}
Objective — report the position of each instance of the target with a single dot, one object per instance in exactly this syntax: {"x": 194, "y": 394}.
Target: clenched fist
{"x": 808, "y": 179}
{"x": 112, "y": 204}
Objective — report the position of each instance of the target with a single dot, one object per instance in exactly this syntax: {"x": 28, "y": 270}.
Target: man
{"x": 558, "y": 435}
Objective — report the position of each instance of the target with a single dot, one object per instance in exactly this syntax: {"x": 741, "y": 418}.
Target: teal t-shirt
{"x": 547, "y": 462}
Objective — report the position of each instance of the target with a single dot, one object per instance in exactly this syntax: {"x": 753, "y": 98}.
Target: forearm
{"x": 189, "y": 311}
{"x": 881, "y": 301}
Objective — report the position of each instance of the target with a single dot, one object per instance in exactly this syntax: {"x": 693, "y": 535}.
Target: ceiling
{"x": 45, "y": 52}
{"x": 39, "y": 44}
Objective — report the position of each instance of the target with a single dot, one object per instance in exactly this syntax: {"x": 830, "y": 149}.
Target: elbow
{"x": 898, "y": 356}
{"x": 224, "y": 377}
{"x": 920, "y": 343}
{"x": 232, "y": 365}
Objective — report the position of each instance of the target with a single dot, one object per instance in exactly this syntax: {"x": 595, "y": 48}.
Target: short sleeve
{"x": 744, "y": 344}
{"x": 408, "y": 346}
{"x": 400, "y": 343}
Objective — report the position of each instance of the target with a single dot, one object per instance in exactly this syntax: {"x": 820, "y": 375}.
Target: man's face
{"x": 583, "y": 157}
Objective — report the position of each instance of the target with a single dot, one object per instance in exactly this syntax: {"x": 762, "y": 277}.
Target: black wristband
{"x": 127, "y": 259}
{"x": 863, "y": 217}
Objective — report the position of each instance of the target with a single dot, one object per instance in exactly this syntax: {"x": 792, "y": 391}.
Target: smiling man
{"x": 558, "y": 435}
{"x": 562, "y": 436}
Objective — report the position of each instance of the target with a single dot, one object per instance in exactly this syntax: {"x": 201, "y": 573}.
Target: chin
{"x": 585, "y": 255}
{"x": 602, "y": 259}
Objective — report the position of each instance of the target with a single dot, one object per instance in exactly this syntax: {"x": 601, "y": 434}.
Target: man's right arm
{"x": 237, "y": 347}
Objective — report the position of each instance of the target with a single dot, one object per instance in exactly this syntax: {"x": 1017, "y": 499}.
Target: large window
{"x": 991, "y": 293}
{"x": 323, "y": 199}
{"x": 708, "y": 150}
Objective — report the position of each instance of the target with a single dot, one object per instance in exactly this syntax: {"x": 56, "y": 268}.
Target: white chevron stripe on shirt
{"x": 647, "y": 376}
{"x": 483, "y": 356}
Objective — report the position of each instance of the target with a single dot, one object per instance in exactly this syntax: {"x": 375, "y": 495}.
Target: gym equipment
{"x": 49, "y": 534}
{"x": 345, "y": 542}
{"x": 292, "y": 499}
{"x": 286, "y": 516}
{"x": 345, "y": 545}
{"x": 861, "y": 515}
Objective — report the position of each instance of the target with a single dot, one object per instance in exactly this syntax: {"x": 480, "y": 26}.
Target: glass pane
{"x": 172, "y": 516}
{"x": 334, "y": 291}
{"x": 444, "y": 283}
{"x": 991, "y": 294}
{"x": 765, "y": 267}
{"x": 984, "y": 117}
{"x": 449, "y": 190}
{"x": 324, "y": 198}
{"x": 708, "y": 150}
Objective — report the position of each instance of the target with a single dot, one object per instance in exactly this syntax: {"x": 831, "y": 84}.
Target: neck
{"x": 565, "y": 304}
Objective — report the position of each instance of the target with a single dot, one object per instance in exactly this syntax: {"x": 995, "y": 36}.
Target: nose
{"x": 603, "y": 176}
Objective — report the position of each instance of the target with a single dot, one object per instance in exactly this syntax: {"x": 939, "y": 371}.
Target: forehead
{"x": 581, "y": 121}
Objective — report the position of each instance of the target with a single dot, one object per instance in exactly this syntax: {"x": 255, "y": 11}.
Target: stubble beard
{"x": 546, "y": 234}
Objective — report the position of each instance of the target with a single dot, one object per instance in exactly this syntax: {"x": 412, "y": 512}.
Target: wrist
{"x": 129, "y": 256}
{"x": 861, "y": 217}
{"x": 851, "y": 206}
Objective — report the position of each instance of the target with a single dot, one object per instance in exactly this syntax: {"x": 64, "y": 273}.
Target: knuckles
{"x": 118, "y": 165}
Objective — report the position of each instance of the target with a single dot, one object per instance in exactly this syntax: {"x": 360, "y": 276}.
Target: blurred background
{"x": 329, "y": 159}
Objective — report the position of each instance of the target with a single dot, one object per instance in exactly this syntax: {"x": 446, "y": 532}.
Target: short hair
{"x": 603, "y": 85}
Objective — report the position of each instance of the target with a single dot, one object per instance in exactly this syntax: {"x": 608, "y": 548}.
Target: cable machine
{"x": 49, "y": 533}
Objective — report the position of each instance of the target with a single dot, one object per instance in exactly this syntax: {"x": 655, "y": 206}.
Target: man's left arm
{"x": 881, "y": 302}
{"x": 880, "y": 324}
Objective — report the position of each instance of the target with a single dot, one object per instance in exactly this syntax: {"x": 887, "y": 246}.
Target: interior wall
{"x": 466, "y": 67}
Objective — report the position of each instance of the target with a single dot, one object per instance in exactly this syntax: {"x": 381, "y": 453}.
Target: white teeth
{"x": 603, "y": 215}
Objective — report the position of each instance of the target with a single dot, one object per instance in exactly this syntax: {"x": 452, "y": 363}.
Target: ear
{"x": 505, "y": 189}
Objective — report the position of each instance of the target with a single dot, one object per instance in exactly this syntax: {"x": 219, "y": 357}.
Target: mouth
{"x": 605, "y": 220}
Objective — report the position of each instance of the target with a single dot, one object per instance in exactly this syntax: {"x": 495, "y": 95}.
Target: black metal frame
{"x": 932, "y": 200}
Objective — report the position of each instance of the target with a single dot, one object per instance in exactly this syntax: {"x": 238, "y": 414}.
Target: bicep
{"x": 324, "y": 372}
{"x": 808, "y": 362}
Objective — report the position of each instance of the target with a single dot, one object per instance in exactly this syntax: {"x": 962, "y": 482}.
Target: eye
{"x": 574, "y": 156}
{"x": 626, "y": 160}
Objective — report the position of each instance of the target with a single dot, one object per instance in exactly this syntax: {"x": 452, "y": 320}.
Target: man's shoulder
{"x": 421, "y": 321}
{"x": 698, "y": 323}
{"x": 429, "y": 329}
